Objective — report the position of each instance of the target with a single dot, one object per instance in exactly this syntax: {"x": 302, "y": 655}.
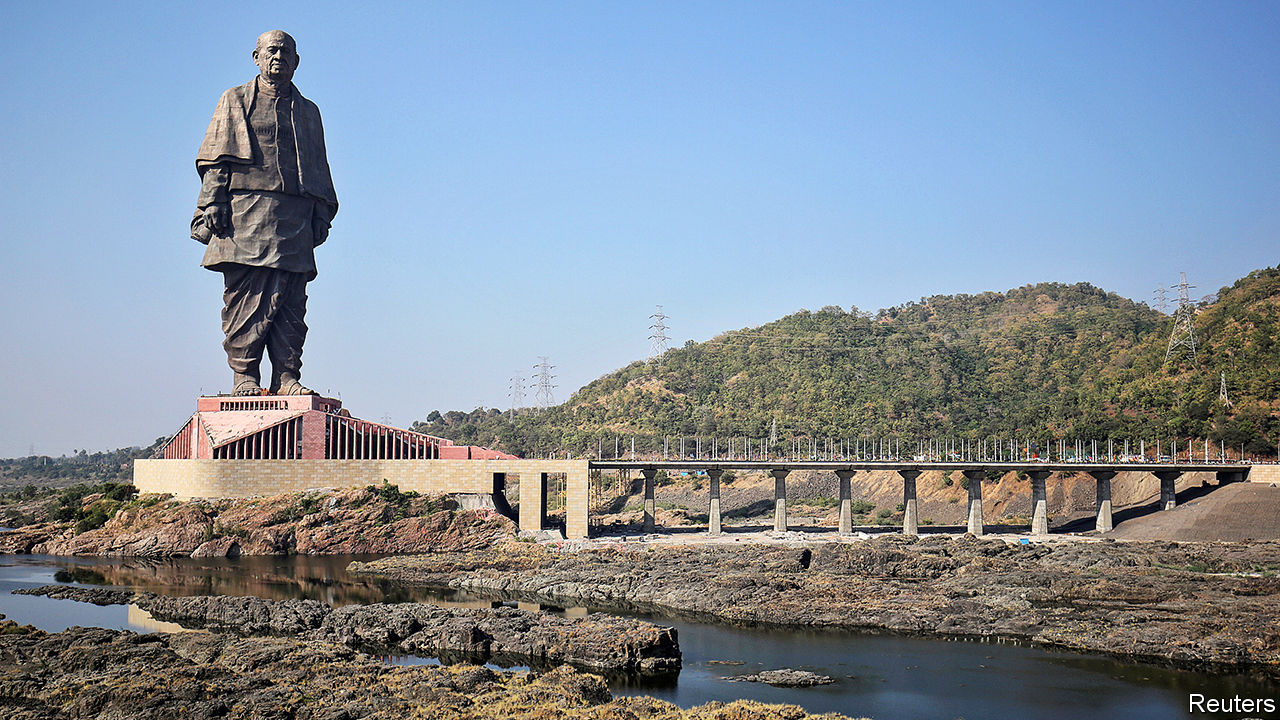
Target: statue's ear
{"x": 297, "y": 59}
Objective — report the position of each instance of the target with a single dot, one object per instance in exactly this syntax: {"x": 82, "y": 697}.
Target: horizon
{"x": 523, "y": 181}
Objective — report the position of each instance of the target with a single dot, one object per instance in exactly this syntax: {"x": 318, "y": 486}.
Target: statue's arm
{"x": 214, "y": 201}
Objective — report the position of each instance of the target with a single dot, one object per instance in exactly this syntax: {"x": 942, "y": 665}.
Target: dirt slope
{"x": 1239, "y": 511}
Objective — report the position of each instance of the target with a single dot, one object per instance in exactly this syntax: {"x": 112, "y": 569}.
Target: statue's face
{"x": 276, "y": 57}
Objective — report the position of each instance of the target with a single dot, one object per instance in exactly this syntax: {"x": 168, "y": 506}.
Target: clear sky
{"x": 532, "y": 178}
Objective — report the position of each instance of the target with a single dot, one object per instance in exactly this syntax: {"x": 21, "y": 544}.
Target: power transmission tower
{"x": 1184, "y": 333}
{"x": 658, "y": 338}
{"x": 545, "y": 397}
{"x": 1162, "y": 298}
{"x": 1222, "y": 390}
{"x": 515, "y": 391}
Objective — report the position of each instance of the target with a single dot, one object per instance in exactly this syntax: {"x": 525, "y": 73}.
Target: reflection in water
{"x": 277, "y": 578}
{"x": 141, "y": 619}
{"x": 887, "y": 677}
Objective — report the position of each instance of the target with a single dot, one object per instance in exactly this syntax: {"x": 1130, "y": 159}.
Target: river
{"x": 885, "y": 677}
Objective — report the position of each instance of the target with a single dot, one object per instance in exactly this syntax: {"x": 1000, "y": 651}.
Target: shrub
{"x": 311, "y": 503}
{"x": 391, "y": 493}
{"x": 861, "y": 507}
{"x": 93, "y": 519}
{"x": 118, "y": 491}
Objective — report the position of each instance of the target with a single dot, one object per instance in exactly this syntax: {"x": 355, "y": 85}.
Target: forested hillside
{"x": 1041, "y": 360}
{"x": 82, "y": 466}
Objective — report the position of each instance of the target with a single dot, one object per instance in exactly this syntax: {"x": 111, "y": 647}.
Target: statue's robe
{"x": 264, "y": 156}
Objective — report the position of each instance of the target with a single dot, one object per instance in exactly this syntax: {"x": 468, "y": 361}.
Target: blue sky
{"x": 526, "y": 179}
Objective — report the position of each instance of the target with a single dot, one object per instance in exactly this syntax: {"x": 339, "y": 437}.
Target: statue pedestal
{"x": 270, "y": 444}
{"x": 302, "y": 427}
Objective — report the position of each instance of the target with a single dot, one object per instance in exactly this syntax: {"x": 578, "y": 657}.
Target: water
{"x": 886, "y": 677}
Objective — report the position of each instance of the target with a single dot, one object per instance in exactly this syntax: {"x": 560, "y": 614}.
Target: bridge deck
{"x": 831, "y": 465}
{"x": 909, "y": 470}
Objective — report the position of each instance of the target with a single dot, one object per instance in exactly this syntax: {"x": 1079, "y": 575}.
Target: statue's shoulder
{"x": 304, "y": 100}
{"x": 240, "y": 94}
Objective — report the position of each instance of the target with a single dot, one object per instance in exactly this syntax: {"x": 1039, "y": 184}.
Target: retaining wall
{"x": 187, "y": 479}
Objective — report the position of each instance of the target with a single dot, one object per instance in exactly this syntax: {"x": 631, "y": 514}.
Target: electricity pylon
{"x": 1184, "y": 332}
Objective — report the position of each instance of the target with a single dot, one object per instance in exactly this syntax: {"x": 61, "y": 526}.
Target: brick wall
{"x": 248, "y": 478}
{"x": 1264, "y": 474}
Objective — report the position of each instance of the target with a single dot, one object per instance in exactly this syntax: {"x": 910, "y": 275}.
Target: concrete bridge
{"x": 1038, "y": 472}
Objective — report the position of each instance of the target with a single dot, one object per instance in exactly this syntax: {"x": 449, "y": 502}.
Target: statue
{"x": 266, "y": 201}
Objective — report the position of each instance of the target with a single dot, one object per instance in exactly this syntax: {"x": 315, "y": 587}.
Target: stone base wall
{"x": 1264, "y": 474}
{"x": 187, "y": 479}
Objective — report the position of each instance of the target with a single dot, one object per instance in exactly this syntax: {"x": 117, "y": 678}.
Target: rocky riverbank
{"x": 355, "y": 521}
{"x": 1189, "y": 603}
{"x": 94, "y": 673}
{"x": 597, "y": 642}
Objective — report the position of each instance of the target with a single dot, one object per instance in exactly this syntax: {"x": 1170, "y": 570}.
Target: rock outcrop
{"x": 354, "y": 521}
{"x": 597, "y": 642}
{"x": 785, "y": 677}
{"x": 1185, "y": 603}
{"x": 100, "y": 674}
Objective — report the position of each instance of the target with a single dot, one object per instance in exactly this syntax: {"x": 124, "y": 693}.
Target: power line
{"x": 545, "y": 397}
{"x": 658, "y": 334}
{"x": 1184, "y": 332}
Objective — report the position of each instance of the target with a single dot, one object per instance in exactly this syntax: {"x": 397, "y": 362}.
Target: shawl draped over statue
{"x": 229, "y": 139}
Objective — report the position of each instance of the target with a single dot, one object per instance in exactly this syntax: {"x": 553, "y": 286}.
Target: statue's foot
{"x": 245, "y": 385}
{"x": 290, "y": 386}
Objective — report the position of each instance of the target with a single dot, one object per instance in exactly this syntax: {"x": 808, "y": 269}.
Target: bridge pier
{"x": 1168, "y": 488}
{"x": 846, "y": 501}
{"x": 1039, "y": 502}
{"x": 533, "y": 501}
{"x": 1103, "y": 477}
{"x": 649, "y": 505}
{"x": 975, "y": 501}
{"x": 713, "y": 513}
{"x": 779, "y": 499}
{"x": 910, "y": 521}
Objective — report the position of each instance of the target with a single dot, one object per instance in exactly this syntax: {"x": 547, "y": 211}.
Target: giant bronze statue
{"x": 266, "y": 201}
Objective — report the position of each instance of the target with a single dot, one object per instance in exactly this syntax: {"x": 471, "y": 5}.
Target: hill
{"x": 43, "y": 471}
{"x": 1042, "y": 360}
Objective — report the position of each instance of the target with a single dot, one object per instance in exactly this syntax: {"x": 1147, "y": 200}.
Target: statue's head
{"x": 276, "y": 56}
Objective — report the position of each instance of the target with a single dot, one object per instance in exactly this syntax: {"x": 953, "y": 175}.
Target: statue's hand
{"x": 218, "y": 217}
{"x": 320, "y": 230}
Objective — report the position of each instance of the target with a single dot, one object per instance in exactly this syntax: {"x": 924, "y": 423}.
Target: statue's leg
{"x": 287, "y": 335}
{"x": 244, "y": 324}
